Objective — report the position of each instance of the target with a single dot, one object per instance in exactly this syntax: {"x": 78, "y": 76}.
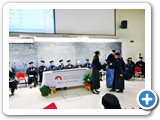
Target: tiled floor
{"x": 74, "y": 98}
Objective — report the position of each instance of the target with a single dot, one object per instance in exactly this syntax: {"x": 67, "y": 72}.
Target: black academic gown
{"x": 132, "y": 67}
{"x": 87, "y": 65}
{"x": 78, "y": 66}
{"x": 110, "y": 59}
{"x": 52, "y": 68}
{"x": 128, "y": 71}
{"x": 61, "y": 67}
{"x": 69, "y": 66}
{"x": 96, "y": 66}
{"x": 12, "y": 82}
{"x": 119, "y": 68}
{"x": 141, "y": 64}
{"x": 41, "y": 70}
{"x": 34, "y": 73}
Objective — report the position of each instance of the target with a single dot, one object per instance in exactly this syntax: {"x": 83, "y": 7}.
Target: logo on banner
{"x": 58, "y": 78}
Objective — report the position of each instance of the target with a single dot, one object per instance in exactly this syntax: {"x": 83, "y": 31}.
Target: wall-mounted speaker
{"x": 123, "y": 24}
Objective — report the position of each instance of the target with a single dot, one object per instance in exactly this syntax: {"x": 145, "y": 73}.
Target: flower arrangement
{"x": 53, "y": 90}
{"x": 45, "y": 90}
{"x": 87, "y": 81}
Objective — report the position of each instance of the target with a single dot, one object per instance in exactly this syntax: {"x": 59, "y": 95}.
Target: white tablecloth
{"x": 64, "y": 78}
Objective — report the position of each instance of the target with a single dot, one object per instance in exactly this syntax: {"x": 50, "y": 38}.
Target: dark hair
{"x": 110, "y": 101}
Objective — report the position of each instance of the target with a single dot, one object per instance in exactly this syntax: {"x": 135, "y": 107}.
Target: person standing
{"x": 42, "y": 68}
{"x": 52, "y": 67}
{"x": 32, "y": 75}
{"x": 12, "y": 82}
{"x": 96, "y": 66}
{"x": 110, "y": 71}
{"x": 119, "y": 72}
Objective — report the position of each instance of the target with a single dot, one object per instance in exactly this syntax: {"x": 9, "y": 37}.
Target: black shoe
{"x": 120, "y": 91}
{"x": 97, "y": 91}
{"x": 112, "y": 90}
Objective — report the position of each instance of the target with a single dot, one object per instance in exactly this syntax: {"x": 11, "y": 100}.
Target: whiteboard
{"x": 85, "y": 21}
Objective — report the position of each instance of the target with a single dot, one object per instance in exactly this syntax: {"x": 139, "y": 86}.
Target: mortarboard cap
{"x": 42, "y": 61}
{"x": 30, "y": 63}
{"x": 68, "y": 60}
{"x": 113, "y": 51}
{"x": 51, "y": 61}
{"x": 87, "y": 59}
{"x": 117, "y": 53}
{"x": 96, "y": 52}
{"x": 140, "y": 57}
{"x": 60, "y": 60}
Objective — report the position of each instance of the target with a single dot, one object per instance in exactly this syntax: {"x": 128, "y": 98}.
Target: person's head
{"x": 31, "y": 64}
{"x": 87, "y": 60}
{"x": 110, "y": 101}
{"x": 117, "y": 55}
{"x": 69, "y": 61}
{"x": 97, "y": 53}
{"x": 130, "y": 59}
{"x": 42, "y": 62}
{"x": 51, "y": 62}
{"x": 78, "y": 62}
{"x": 61, "y": 61}
{"x": 140, "y": 58}
{"x": 113, "y": 52}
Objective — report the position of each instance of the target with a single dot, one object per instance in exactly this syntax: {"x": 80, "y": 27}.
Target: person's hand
{"x": 121, "y": 75}
{"x": 45, "y": 68}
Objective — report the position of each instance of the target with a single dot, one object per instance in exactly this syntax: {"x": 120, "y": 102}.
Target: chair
{"x": 21, "y": 77}
{"x": 51, "y": 106}
{"x": 137, "y": 72}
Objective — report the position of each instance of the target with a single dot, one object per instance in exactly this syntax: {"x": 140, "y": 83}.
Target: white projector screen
{"x": 31, "y": 20}
{"x": 85, "y": 21}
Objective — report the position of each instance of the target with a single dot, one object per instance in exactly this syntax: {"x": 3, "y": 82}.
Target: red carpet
{"x": 51, "y": 106}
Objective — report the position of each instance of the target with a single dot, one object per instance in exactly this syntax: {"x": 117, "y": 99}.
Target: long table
{"x": 64, "y": 78}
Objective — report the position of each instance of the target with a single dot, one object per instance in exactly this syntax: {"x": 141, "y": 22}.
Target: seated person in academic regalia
{"x": 52, "y": 66}
{"x": 61, "y": 66}
{"x": 41, "y": 69}
{"x": 132, "y": 64}
{"x": 128, "y": 71}
{"x": 87, "y": 64}
{"x": 12, "y": 81}
{"x": 32, "y": 74}
{"x": 78, "y": 65}
{"x": 141, "y": 64}
{"x": 69, "y": 65}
